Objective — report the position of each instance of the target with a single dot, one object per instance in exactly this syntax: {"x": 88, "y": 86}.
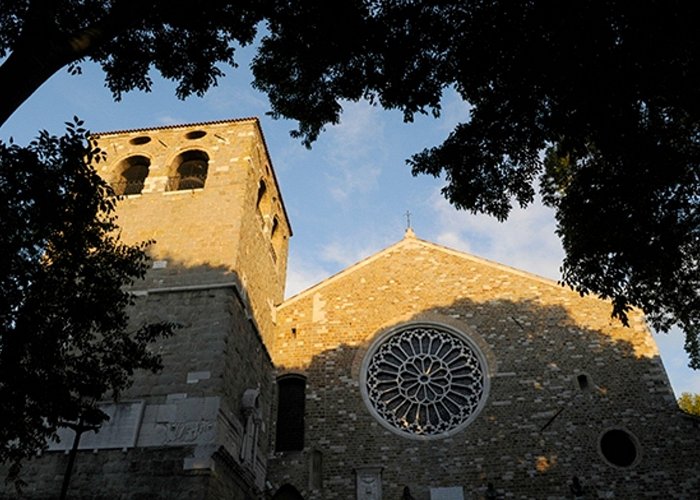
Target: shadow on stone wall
{"x": 214, "y": 357}
{"x": 537, "y": 429}
{"x": 555, "y": 388}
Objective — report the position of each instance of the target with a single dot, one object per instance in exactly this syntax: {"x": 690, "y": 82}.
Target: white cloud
{"x": 346, "y": 253}
{"x": 238, "y": 99}
{"x": 345, "y": 181}
{"x": 526, "y": 240}
{"x": 168, "y": 120}
{"x": 332, "y": 258}
{"x": 302, "y": 275}
{"x": 454, "y": 110}
{"x": 353, "y": 151}
{"x": 360, "y": 125}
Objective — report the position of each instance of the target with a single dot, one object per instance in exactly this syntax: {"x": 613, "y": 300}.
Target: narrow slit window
{"x": 291, "y": 399}
{"x": 263, "y": 201}
{"x": 276, "y": 238}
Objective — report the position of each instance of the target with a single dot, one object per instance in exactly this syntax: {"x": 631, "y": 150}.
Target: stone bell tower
{"x": 206, "y": 195}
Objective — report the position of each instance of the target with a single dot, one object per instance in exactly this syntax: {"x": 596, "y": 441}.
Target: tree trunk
{"x": 71, "y": 459}
{"x": 42, "y": 49}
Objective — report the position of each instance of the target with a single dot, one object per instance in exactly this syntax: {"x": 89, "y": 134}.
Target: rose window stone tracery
{"x": 424, "y": 380}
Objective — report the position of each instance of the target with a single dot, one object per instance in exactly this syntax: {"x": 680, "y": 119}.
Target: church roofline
{"x": 253, "y": 119}
{"x": 411, "y": 238}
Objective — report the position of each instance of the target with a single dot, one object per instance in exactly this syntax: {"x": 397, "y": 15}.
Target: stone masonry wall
{"x": 262, "y": 258}
{"x": 207, "y": 235}
{"x": 192, "y": 409}
{"x": 188, "y": 428}
{"x": 135, "y": 474}
{"x": 196, "y": 231}
{"x": 537, "y": 429}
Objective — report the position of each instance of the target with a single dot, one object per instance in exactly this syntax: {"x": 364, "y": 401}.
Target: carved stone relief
{"x": 368, "y": 483}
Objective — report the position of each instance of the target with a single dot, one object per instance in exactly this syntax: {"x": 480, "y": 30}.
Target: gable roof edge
{"x": 339, "y": 274}
{"x": 435, "y": 246}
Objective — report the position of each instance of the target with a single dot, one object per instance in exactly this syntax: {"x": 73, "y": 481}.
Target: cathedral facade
{"x": 420, "y": 372}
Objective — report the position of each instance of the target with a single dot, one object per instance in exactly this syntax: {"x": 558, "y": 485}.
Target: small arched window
{"x": 132, "y": 175}
{"x": 263, "y": 201}
{"x": 190, "y": 171}
{"x": 291, "y": 399}
{"x": 276, "y": 238}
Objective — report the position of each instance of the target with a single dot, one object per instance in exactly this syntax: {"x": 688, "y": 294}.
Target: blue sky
{"x": 346, "y": 197}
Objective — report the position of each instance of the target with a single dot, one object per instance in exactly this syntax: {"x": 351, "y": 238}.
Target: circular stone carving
{"x": 424, "y": 380}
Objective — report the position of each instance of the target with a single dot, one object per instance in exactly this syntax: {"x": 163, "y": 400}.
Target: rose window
{"x": 424, "y": 380}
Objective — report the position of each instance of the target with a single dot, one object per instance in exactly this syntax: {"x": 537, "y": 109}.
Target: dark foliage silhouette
{"x": 609, "y": 89}
{"x": 65, "y": 342}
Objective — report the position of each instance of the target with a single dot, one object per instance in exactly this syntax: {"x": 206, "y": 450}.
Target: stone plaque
{"x": 368, "y": 483}
{"x": 449, "y": 493}
{"x": 120, "y": 431}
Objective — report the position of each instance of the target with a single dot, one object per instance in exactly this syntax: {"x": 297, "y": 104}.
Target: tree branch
{"x": 42, "y": 49}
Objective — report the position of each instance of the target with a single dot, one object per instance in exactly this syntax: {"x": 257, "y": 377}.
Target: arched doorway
{"x": 287, "y": 492}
